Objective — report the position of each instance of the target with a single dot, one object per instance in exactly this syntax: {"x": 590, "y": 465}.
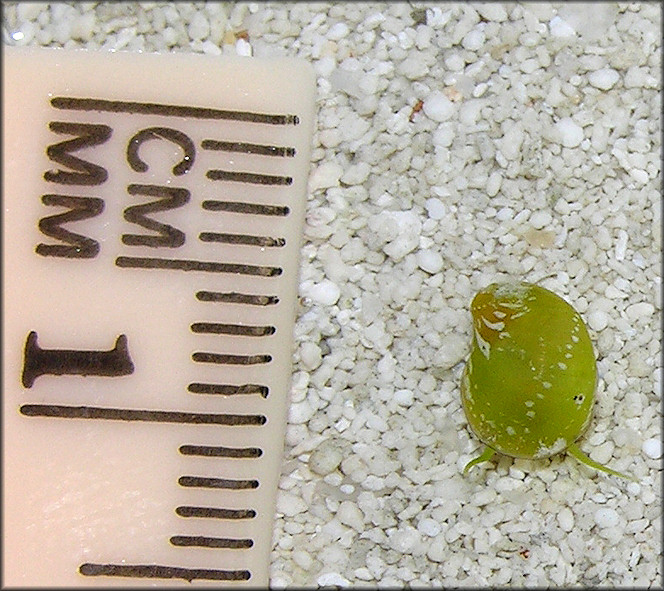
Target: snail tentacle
{"x": 574, "y": 451}
{"x": 485, "y": 456}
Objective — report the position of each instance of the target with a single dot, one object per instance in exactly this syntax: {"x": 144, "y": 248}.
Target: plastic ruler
{"x": 152, "y": 219}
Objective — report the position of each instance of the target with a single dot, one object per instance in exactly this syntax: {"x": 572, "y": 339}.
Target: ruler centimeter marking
{"x": 156, "y": 571}
{"x": 244, "y": 345}
{"x": 187, "y": 112}
{"x": 204, "y": 266}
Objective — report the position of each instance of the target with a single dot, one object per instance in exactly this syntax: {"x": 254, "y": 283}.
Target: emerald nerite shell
{"x": 529, "y": 384}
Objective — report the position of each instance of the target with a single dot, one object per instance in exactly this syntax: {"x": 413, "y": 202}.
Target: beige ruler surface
{"x": 152, "y": 217}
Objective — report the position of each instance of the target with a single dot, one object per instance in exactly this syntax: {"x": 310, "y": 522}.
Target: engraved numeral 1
{"x": 38, "y": 361}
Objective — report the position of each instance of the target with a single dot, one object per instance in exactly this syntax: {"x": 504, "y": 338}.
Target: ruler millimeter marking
{"x": 220, "y": 451}
{"x": 152, "y": 230}
{"x": 248, "y": 208}
{"x": 215, "y": 513}
{"x": 237, "y": 298}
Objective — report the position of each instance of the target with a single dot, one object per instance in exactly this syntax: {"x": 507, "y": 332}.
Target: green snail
{"x": 529, "y": 384}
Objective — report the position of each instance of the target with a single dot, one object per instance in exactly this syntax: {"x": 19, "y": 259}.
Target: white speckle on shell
{"x": 544, "y": 452}
{"x": 515, "y": 290}
{"x": 493, "y": 325}
{"x": 484, "y": 346}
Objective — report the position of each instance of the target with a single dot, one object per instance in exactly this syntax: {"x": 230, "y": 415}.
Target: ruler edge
{"x": 309, "y": 78}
